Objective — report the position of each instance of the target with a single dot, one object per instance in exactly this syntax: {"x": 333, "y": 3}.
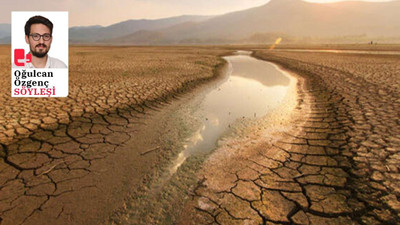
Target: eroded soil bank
{"x": 336, "y": 163}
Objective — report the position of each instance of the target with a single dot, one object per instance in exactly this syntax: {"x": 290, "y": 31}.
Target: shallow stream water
{"x": 251, "y": 89}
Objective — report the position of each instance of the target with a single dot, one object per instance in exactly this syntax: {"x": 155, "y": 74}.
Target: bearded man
{"x": 39, "y": 35}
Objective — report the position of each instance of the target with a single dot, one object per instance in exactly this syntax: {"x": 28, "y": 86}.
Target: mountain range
{"x": 293, "y": 20}
{"x": 5, "y": 33}
{"x": 99, "y": 33}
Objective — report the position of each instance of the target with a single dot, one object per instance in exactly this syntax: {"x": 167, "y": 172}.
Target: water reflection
{"x": 253, "y": 88}
{"x": 265, "y": 73}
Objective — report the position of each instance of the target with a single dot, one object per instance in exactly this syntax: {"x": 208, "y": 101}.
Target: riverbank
{"x": 159, "y": 199}
{"x": 337, "y": 165}
{"x": 360, "y": 96}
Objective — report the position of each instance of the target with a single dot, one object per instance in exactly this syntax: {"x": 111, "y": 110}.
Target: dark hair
{"x": 36, "y": 20}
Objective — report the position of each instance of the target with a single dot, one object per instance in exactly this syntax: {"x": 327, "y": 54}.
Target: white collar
{"x": 30, "y": 65}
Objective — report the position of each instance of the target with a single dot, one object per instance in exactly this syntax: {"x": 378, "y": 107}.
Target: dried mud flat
{"x": 331, "y": 156}
{"x": 73, "y": 160}
{"x": 335, "y": 160}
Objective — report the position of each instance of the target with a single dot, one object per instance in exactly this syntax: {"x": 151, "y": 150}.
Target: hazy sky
{"x": 106, "y": 12}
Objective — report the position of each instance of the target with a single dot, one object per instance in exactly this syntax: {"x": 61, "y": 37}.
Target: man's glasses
{"x": 37, "y": 37}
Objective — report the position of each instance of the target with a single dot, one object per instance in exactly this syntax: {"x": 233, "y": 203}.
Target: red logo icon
{"x": 20, "y": 59}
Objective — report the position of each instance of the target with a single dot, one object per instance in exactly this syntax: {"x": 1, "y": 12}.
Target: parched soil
{"x": 335, "y": 161}
{"x": 103, "y": 79}
{"x": 73, "y": 160}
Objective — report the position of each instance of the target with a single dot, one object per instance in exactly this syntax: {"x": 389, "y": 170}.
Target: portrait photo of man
{"x": 39, "y": 36}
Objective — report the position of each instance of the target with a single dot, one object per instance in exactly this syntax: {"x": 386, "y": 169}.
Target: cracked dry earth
{"x": 337, "y": 162}
{"x": 70, "y": 160}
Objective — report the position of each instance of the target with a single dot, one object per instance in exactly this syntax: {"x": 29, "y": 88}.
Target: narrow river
{"x": 252, "y": 89}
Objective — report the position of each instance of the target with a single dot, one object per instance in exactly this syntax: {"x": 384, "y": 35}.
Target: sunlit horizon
{"x": 102, "y": 12}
